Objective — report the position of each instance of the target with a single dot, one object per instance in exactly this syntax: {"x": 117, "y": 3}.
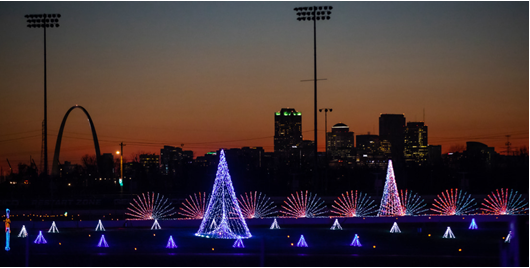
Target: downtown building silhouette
{"x": 416, "y": 143}
{"x": 287, "y": 130}
{"x": 340, "y": 144}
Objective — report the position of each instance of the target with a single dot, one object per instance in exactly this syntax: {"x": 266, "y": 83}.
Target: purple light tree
{"x": 102, "y": 242}
{"x": 356, "y": 242}
{"x": 40, "y": 239}
{"x": 223, "y": 208}
{"x": 390, "y": 202}
{"x": 171, "y": 243}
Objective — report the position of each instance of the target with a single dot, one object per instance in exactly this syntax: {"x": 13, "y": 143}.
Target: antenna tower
{"x": 508, "y": 143}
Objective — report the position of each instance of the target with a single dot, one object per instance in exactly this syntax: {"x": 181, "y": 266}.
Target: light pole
{"x": 326, "y": 125}
{"x": 314, "y": 13}
{"x": 44, "y": 21}
{"x": 121, "y": 162}
{"x": 326, "y": 136}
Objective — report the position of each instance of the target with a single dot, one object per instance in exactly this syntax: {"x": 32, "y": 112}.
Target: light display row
{"x": 305, "y": 204}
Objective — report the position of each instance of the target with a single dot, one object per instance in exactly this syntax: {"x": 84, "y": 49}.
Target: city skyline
{"x": 212, "y": 75}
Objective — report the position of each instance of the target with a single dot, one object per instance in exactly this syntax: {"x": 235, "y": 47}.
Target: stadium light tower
{"x": 314, "y": 13}
{"x": 44, "y": 21}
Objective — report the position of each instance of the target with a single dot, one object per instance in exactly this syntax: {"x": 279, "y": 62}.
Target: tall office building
{"x": 371, "y": 151}
{"x": 340, "y": 142}
{"x": 150, "y": 162}
{"x": 391, "y": 128}
{"x": 287, "y": 130}
{"x": 173, "y": 157}
{"x": 416, "y": 143}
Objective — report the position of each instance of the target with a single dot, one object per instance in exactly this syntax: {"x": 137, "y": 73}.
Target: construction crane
{"x": 10, "y": 169}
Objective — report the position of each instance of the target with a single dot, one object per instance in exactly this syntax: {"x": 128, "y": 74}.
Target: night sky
{"x": 211, "y": 75}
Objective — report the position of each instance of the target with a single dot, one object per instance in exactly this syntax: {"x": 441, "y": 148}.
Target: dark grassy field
{"x": 145, "y": 247}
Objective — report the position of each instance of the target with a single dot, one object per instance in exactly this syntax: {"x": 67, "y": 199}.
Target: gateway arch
{"x": 55, "y": 163}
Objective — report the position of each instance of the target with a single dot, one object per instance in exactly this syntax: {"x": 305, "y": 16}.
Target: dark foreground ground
{"x": 419, "y": 244}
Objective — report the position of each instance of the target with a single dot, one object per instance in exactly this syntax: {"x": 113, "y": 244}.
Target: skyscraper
{"x": 287, "y": 130}
{"x": 391, "y": 128}
{"x": 416, "y": 143}
{"x": 340, "y": 142}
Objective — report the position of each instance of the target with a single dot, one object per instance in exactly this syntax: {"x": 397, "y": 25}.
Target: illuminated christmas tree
{"x": 508, "y": 238}
{"x": 390, "y": 202}
{"x": 53, "y": 228}
{"x": 40, "y": 239}
{"x": 473, "y": 224}
{"x": 156, "y": 225}
{"x": 395, "y": 228}
{"x": 102, "y": 242}
{"x": 336, "y": 225}
{"x": 23, "y": 232}
{"x": 275, "y": 225}
{"x": 356, "y": 242}
{"x": 171, "y": 243}
{"x": 448, "y": 233}
{"x": 100, "y": 226}
{"x": 238, "y": 243}
{"x": 223, "y": 208}
{"x": 301, "y": 243}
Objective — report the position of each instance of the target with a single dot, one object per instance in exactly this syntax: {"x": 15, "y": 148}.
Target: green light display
{"x": 285, "y": 113}
{"x": 299, "y": 113}
{"x": 278, "y": 113}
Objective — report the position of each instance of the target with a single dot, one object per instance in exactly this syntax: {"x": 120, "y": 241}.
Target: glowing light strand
{"x": 390, "y": 202}
{"x": 303, "y": 206}
{"x": 395, "y": 228}
{"x": 453, "y": 203}
{"x": 412, "y": 204}
{"x": 301, "y": 242}
{"x": 354, "y": 205}
{"x": 223, "y": 208}
{"x": 504, "y": 202}
{"x": 355, "y": 242}
{"x": 23, "y": 232}
{"x": 171, "y": 243}
{"x": 100, "y": 227}
{"x": 473, "y": 225}
{"x": 150, "y": 208}
{"x": 53, "y": 228}
{"x": 156, "y": 225}
{"x": 40, "y": 239}
{"x": 275, "y": 225}
{"x": 102, "y": 242}
{"x": 336, "y": 225}
{"x": 194, "y": 207}
{"x": 256, "y": 206}
{"x": 448, "y": 233}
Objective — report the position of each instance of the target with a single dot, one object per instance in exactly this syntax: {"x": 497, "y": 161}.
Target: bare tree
{"x": 457, "y": 148}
